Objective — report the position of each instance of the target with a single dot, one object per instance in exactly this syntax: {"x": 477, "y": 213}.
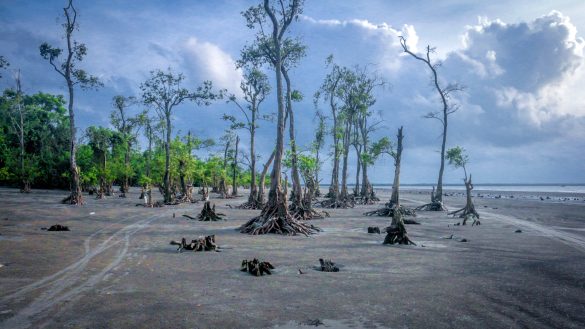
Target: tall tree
{"x": 75, "y": 52}
{"x": 163, "y": 91}
{"x": 318, "y": 143}
{"x": 18, "y": 116}
{"x": 255, "y": 87}
{"x": 275, "y": 217}
{"x": 458, "y": 158}
{"x": 128, "y": 128}
{"x": 100, "y": 140}
{"x": 235, "y": 168}
{"x": 330, "y": 92}
{"x": 442, "y": 116}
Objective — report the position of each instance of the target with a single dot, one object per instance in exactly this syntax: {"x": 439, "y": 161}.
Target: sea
{"x": 537, "y": 188}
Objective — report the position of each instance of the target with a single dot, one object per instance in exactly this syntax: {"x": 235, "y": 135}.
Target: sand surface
{"x": 116, "y": 269}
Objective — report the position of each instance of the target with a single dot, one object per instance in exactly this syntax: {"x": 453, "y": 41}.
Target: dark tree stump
{"x": 373, "y": 229}
{"x": 388, "y": 211}
{"x": 256, "y": 267}
{"x": 206, "y": 243}
{"x": 208, "y": 213}
{"x": 57, "y": 227}
{"x": 328, "y": 266}
{"x": 396, "y": 234}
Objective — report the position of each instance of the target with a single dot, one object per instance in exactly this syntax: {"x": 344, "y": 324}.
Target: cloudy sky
{"x": 521, "y": 117}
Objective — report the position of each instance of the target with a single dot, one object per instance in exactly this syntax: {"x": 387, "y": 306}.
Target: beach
{"x": 116, "y": 269}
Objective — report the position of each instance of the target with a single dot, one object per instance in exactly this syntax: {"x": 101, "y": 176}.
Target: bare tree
{"x": 18, "y": 113}
{"x": 73, "y": 76}
{"x": 317, "y": 146}
{"x": 164, "y": 91}
{"x": 448, "y": 108}
{"x": 275, "y": 217}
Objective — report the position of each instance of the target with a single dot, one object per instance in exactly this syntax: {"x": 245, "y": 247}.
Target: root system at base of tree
{"x": 275, "y": 218}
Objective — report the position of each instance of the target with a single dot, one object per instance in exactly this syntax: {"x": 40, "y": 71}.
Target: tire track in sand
{"x": 70, "y": 282}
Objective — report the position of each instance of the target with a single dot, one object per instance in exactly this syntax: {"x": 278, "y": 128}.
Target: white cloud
{"x": 214, "y": 64}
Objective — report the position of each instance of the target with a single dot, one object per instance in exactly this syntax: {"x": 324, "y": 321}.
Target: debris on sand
{"x": 518, "y": 231}
{"x": 373, "y": 229}
{"x": 56, "y": 227}
{"x": 206, "y": 243}
{"x": 315, "y": 323}
{"x": 256, "y": 267}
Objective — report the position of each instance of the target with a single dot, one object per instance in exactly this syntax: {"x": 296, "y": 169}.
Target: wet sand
{"x": 116, "y": 269}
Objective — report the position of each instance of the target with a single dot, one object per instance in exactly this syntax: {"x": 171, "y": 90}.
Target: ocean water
{"x": 543, "y": 188}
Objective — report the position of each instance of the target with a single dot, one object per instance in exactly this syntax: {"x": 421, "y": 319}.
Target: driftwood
{"x": 256, "y": 267}
{"x": 57, "y": 227}
{"x": 328, "y": 266}
{"x": 206, "y": 243}
{"x": 373, "y": 229}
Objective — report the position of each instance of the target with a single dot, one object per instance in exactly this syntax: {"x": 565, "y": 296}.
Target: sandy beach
{"x": 116, "y": 269}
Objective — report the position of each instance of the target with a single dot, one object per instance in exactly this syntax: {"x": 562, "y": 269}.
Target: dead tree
{"x": 18, "y": 114}
{"x": 457, "y": 158}
{"x": 327, "y": 265}
{"x": 208, "y": 213}
{"x": 444, "y": 93}
{"x": 396, "y": 233}
{"x": 235, "y": 169}
{"x": 73, "y": 76}
{"x": 275, "y": 217}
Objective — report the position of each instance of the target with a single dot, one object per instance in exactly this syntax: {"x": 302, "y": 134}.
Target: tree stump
{"x": 256, "y": 267}
{"x": 328, "y": 266}
{"x": 208, "y": 213}
{"x": 57, "y": 227}
{"x": 396, "y": 233}
{"x": 206, "y": 243}
{"x": 388, "y": 211}
{"x": 373, "y": 229}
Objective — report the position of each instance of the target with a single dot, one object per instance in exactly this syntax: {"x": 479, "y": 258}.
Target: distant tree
{"x": 3, "y": 64}
{"x": 318, "y": 143}
{"x": 448, "y": 108}
{"x": 128, "y": 128}
{"x": 459, "y": 159}
{"x": 100, "y": 140}
{"x": 255, "y": 87}
{"x": 73, "y": 76}
{"x": 163, "y": 91}
{"x": 331, "y": 91}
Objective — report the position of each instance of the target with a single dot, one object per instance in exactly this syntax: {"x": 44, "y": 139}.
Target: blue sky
{"x": 521, "y": 117}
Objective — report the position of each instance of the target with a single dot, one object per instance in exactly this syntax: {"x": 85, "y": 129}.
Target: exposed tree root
{"x": 275, "y": 218}
{"x": 373, "y": 229}
{"x": 256, "y": 267}
{"x": 433, "y": 206}
{"x": 200, "y": 244}
{"x": 301, "y": 212}
{"x": 328, "y": 266}
{"x": 208, "y": 213}
{"x": 252, "y": 203}
{"x": 333, "y": 203}
{"x": 388, "y": 211}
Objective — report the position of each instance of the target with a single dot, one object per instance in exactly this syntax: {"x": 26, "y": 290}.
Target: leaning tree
{"x": 73, "y": 76}
{"x": 442, "y": 115}
{"x": 164, "y": 92}
{"x": 459, "y": 159}
{"x": 277, "y": 14}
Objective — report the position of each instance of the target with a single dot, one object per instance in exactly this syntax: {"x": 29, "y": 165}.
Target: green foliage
{"x": 457, "y": 157}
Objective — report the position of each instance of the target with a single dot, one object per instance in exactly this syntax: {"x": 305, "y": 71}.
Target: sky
{"x": 521, "y": 117}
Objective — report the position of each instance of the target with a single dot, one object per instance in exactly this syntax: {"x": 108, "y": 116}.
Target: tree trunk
{"x": 344, "y": 193}
{"x": 261, "y": 184}
{"x": 253, "y": 187}
{"x": 234, "y": 169}
{"x": 395, "y": 198}
{"x": 296, "y": 179}
{"x": 334, "y": 187}
{"x": 167, "y": 177}
{"x": 357, "y": 172}
{"x": 76, "y": 197}
{"x": 439, "y": 192}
